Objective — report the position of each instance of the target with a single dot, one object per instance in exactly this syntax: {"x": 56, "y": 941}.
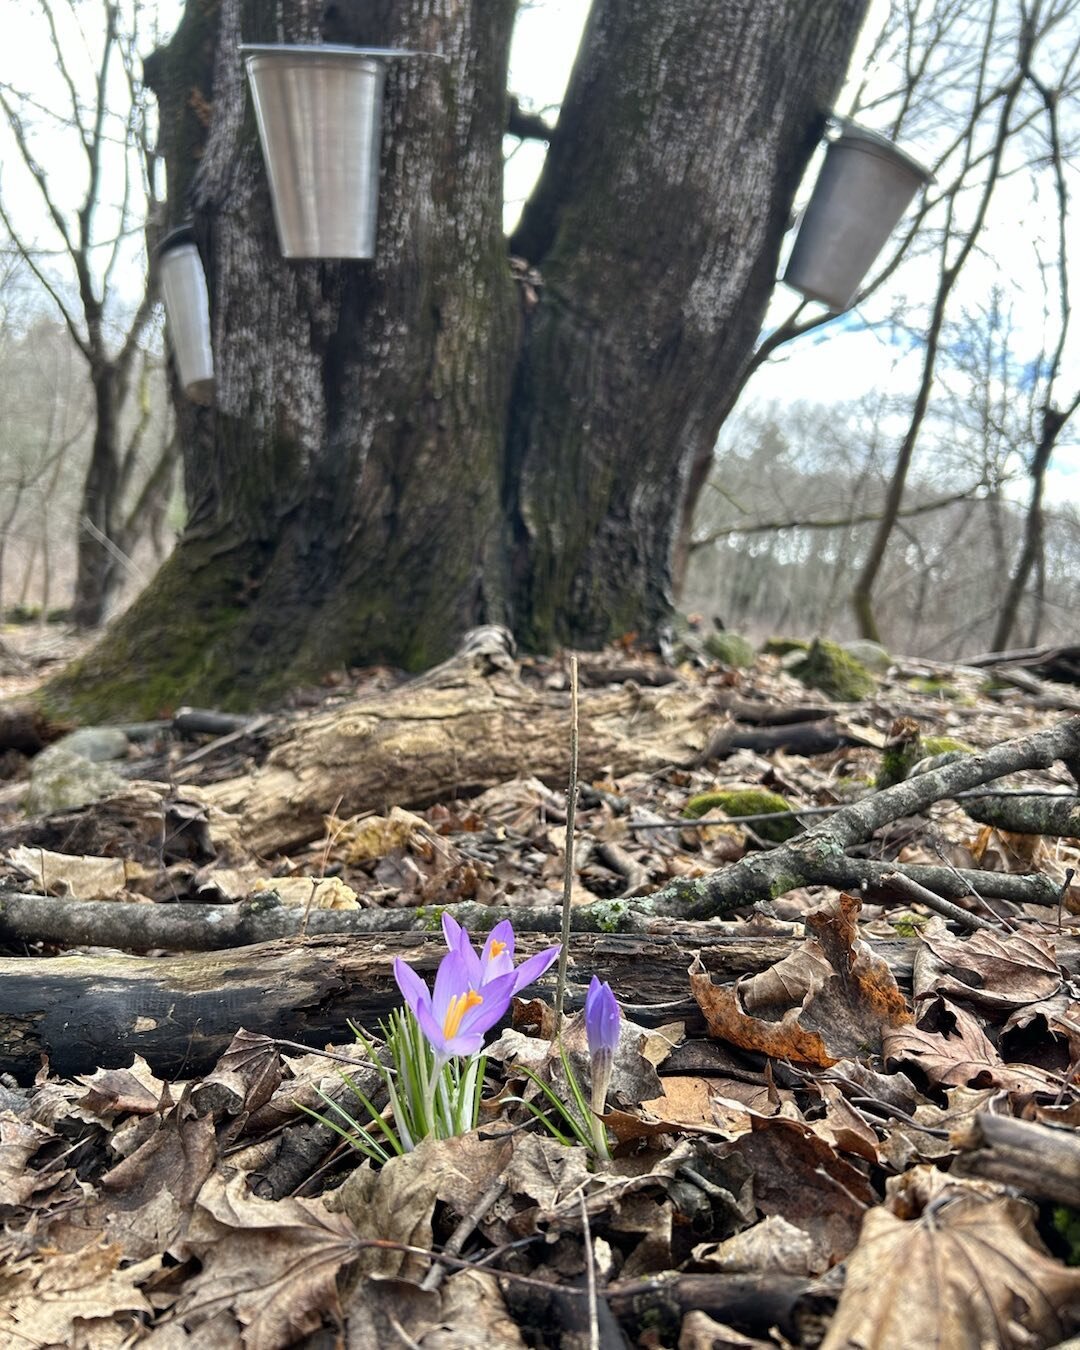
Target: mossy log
{"x": 467, "y": 725}
{"x": 181, "y": 1012}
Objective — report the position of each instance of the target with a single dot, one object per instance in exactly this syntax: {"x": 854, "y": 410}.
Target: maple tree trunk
{"x": 405, "y": 447}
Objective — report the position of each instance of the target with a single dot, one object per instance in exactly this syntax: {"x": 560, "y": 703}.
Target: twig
{"x": 1070, "y": 872}
{"x": 590, "y": 1276}
{"x": 568, "y": 871}
{"x": 914, "y": 891}
{"x": 890, "y": 1112}
{"x": 796, "y": 811}
{"x": 461, "y": 1235}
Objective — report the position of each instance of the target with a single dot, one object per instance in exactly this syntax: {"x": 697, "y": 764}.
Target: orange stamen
{"x": 497, "y": 948}
{"x": 455, "y": 1013}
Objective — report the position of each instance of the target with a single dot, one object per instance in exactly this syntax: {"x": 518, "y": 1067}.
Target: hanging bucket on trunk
{"x": 319, "y": 111}
{"x": 863, "y": 189}
{"x": 182, "y": 283}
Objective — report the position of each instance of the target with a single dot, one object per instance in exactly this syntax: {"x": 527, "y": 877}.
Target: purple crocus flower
{"x": 456, "y": 1016}
{"x": 497, "y": 958}
{"x": 602, "y": 1017}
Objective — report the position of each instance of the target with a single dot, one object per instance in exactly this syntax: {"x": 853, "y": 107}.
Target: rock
{"x": 784, "y": 646}
{"x": 834, "y": 672}
{"x": 61, "y": 780}
{"x": 736, "y": 802}
{"x": 729, "y": 648}
{"x": 870, "y": 654}
{"x": 95, "y": 743}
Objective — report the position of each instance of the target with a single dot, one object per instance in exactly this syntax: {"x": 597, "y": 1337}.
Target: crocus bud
{"x": 602, "y": 1017}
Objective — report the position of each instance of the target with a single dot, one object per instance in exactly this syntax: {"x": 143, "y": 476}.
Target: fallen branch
{"x": 466, "y": 725}
{"x": 1039, "y": 1161}
{"x": 204, "y": 928}
{"x": 1057, "y": 814}
{"x": 818, "y": 857}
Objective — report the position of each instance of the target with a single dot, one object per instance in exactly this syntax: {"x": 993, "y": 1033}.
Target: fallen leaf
{"x": 701, "y": 1332}
{"x": 800, "y": 1177}
{"x": 830, "y": 999}
{"x": 967, "y": 1272}
{"x": 311, "y": 892}
{"x": 273, "y": 1264}
{"x": 685, "y": 1100}
{"x": 843, "y": 1126}
{"x": 726, "y": 1019}
{"x": 146, "y": 1200}
{"x": 115, "y": 1092}
{"x": 960, "y": 1054}
{"x": 398, "y": 1201}
{"x": 771, "y": 1245}
{"x": 467, "y": 1313}
{"x": 19, "y": 1141}
{"x": 244, "y": 1078}
{"x": 991, "y": 970}
{"x": 70, "y": 1299}
{"x": 76, "y": 876}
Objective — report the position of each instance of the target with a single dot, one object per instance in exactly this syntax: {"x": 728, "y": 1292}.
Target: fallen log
{"x": 465, "y": 726}
{"x": 181, "y": 1012}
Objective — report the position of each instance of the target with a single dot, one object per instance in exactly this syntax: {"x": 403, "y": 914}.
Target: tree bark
{"x": 405, "y": 447}
{"x": 96, "y": 578}
{"x": 181, "y": 1012}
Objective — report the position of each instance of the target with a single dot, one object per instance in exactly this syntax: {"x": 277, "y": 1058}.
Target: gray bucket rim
{"x": 329, "y": 51}
{"x": 176, "y": 238}
{"x": 876, "y": 143}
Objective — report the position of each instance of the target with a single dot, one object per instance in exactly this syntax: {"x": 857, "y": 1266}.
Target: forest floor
{"x": 838, "y": 1117}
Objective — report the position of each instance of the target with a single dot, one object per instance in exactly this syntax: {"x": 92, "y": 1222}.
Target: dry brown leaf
{"x": 961, "y": 1054}
{"x": 467, "y": 1313}
{"x": 77, "y": 877}
{"x": 686, "y": 1100}
{"x": 830, "y": 999}
{"x": 802, "y": 1178}
{"x": 785, "y": 1039}
{"x": 19, "y": 1141}
{"x": 273, "y": 1264}
{"x": 843, "y": 1126}
{"x": 244, "y": 1078}
{"x": 70, "y": 1299}
{"x": 116, "y": 1092}
{"x": 991, "y": 970}
{"x": 397, "y": 1202}
{"x": 311, "y": 892}
{"x": 146, "y": 1200}
{"x": 701, "y": 1332}
{"x": 967, "y": 1273}
{"x": 773, "y": 1244}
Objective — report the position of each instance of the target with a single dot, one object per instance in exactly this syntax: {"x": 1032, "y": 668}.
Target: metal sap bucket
{"x": 319, "y": 111}
{"x": 182, "y": 283}
{"x": 863, "y": 189}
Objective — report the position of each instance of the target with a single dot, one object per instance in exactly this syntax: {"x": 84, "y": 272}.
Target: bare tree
{"x": 967, "y": 86}
{"x": 100, "y": 124}
{"x": 1053, "y": 412}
